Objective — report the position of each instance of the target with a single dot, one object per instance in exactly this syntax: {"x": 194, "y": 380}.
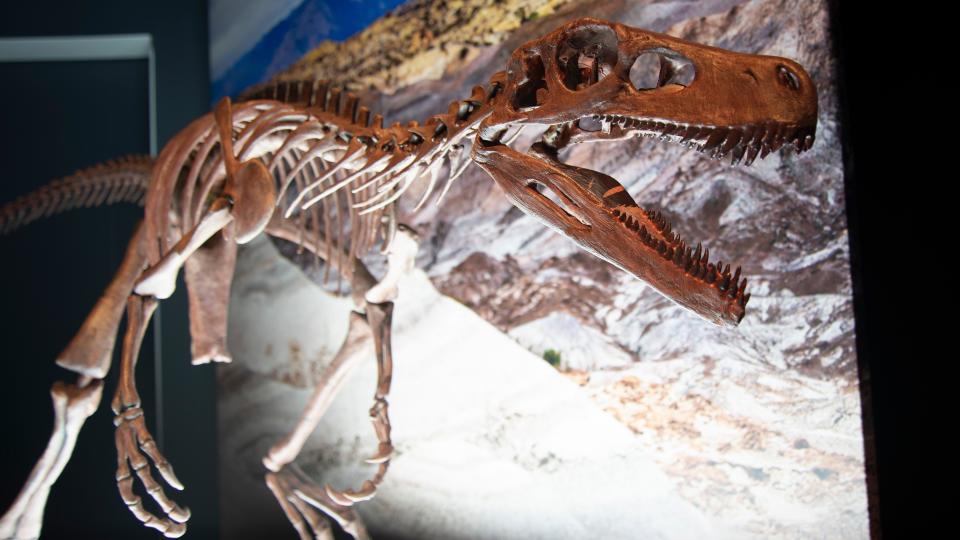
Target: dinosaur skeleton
{"x": 303, "y": 161}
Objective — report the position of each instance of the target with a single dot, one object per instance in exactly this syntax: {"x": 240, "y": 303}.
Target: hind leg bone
{"x": 72, "y": 405}
{"x": 89, "y": 353}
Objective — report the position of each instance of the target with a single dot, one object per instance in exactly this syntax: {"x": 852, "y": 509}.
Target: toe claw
{"x": 175, "y": 530}
{"x": 384, "y": 453}
{"x": 365, "y": 493}
{"x": 337, "y": 496}
{"x": 179, "y": 514}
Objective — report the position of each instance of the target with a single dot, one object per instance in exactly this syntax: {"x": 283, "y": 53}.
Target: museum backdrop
{"x": 52, "y": 272}
{"x": 759, "y": 428}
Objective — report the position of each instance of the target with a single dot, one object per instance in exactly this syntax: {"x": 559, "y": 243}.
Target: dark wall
{"x": 59, "y": 117}
{"x": 883, "y": 221}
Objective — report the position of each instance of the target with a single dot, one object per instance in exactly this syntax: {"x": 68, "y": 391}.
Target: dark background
{"x": 53, "y": 271}
{"x": 883, "y": 183}
{"x": 59, "y": 117}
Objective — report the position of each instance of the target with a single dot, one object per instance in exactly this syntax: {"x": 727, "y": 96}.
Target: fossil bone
{"x": 302, "y": 161}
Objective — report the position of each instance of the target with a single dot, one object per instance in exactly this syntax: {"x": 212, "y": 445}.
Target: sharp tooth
{"x": 737, "y": 154}
{"x": 696, "y": 254}
{"x": 776, "y": 144}
{"x": 715, "y": 139}
{"x": 764, "y": 150}
{"x": 730, "y": 142}
{"x": 706, "y": 256}
{"x": 724, "y": 283}
{"x": 751, "y": 155}
{"x": 736, "y": 276}
{"x": 689, "y": 133}
{"x": 808, "y": 142}
{"x": 711, "y": 273}
{"x": 770, "y": 134}
{"x": 744, "y": 299}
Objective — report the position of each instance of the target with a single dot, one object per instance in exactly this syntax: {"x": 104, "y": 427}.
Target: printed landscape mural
{"x": 539, "y": 392}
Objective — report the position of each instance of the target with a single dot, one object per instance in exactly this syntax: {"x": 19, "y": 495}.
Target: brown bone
{"x": 91, "y": 350}
{"x": 344, "y": 171}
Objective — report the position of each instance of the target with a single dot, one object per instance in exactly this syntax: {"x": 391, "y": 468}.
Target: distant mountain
{"x": 311, "y": 23}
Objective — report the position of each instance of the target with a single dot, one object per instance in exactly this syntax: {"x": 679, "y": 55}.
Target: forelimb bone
{"x": 160, "y": 280}
{"x": 132, "y": 438}
{"x": 208, "y": 274}
{"x": 354, "y": 349}
{"x": 247, "y": 200}
{"x": 379, "y": 308}
{"x": 288, "y": 484}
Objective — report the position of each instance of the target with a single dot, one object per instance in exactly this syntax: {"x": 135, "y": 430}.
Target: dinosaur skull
{"x": 594, "y": 81}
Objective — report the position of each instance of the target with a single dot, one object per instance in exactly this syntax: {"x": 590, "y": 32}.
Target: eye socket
{"x": 655, "y": 68}
{"x": 787, "y": 77}
{"x": 587, "y": 55}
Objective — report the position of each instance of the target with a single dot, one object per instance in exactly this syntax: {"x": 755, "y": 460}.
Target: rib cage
{"x": 121, "y": 180}
{"x": 337, "y": 170}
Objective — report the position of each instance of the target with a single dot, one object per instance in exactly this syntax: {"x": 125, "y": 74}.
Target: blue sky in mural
{"x": 250, "y": 41}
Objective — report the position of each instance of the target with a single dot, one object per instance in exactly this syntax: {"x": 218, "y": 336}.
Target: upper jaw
{"x": 741, "y": 143}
